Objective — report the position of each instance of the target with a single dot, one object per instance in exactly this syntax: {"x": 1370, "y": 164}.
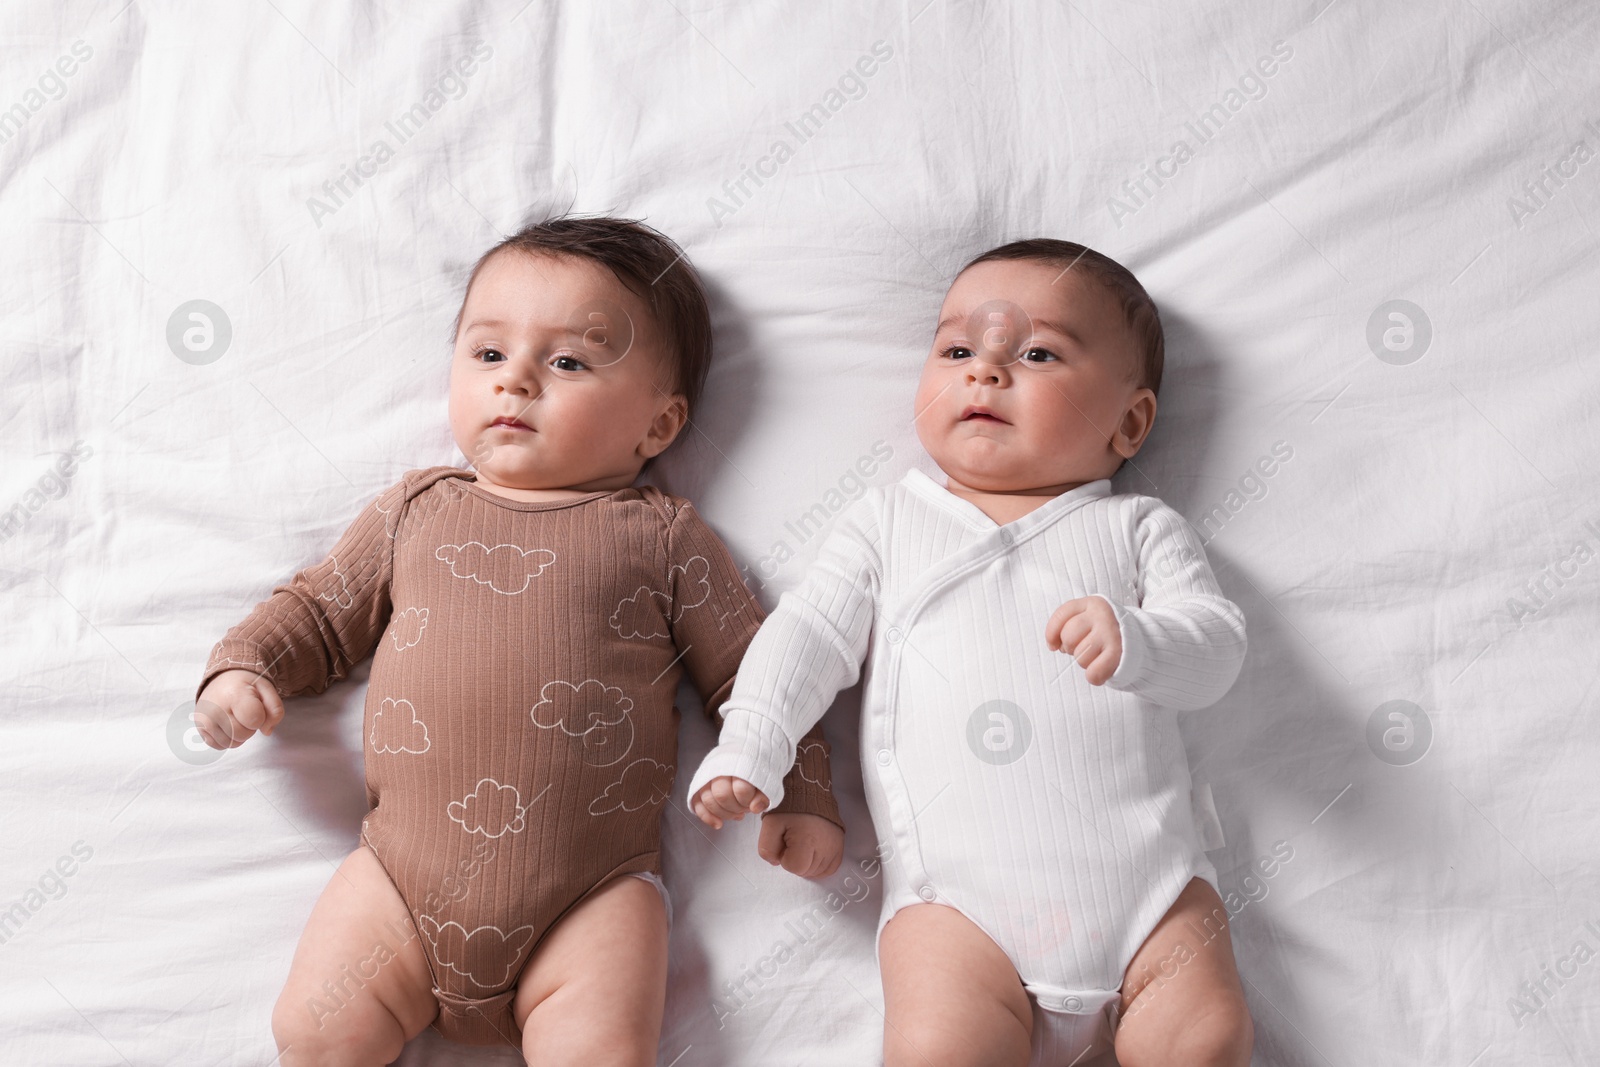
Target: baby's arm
{"x": 811, "y": 647}
{"x": 1182, "y": 645}
{"x": 714, "y": 617}
{"x": 306, "y": 635}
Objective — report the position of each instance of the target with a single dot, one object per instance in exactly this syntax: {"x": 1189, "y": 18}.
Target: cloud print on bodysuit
{"x": 506, "y": 569}
{"x": 491, "y": 809}
{"x": 396, "y": 728}
{"x": 644, "y": 613}
{"x": 486, "y": 955}
{"x": 825, "y": 779}
{"x": 339, "y": 596}
{"x": 577, "y": 709}
{"x": 644, "y": 781}
{"x": 405, "y": 628}
{"x": 694, "y": 588}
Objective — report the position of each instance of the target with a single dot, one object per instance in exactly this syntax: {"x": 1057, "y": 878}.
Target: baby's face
{"x": 560, "y": 379}
{"x": 1031, "y": 383}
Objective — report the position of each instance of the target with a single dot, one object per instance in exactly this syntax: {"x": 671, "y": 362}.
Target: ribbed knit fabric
{"x": 520, "y": 729}
{"x": 1054, "y": 814}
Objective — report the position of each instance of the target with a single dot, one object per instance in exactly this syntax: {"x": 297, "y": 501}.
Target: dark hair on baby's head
{"x": 1138, "y": 310}
{"x": 647, "y": 262}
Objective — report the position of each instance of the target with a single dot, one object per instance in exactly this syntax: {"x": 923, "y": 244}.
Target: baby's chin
{"x": 501, "y": 465}
{"x": 533, "y": 476}
{"x": 994, "y": 470}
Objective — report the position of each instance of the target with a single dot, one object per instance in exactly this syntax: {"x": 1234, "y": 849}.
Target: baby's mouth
{"x": 510, "y": 423}
{"x": 976, "y": 413}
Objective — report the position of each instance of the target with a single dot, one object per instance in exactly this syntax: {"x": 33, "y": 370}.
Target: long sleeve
{"x": 1182, "y": 647}
{"x": 810, "y": 648}
{"x": 328, "y": 617}
{"x": 713, "y": 619}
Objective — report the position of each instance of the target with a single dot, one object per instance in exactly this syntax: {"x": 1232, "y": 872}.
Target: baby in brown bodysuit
{"x": 529, "y": 620}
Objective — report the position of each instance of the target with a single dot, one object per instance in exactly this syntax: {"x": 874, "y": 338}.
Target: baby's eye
{"x": 957, "y": 352}
{"x": 568, "y": 363}
{"x": 1039, "y": 355}
{"x": 483, "y": 355}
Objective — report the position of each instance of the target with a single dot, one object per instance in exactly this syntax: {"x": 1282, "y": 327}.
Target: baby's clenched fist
{"x": 725, "y": 797}
{"x": 1086, "y": 629}
{"x": 803, "y": 844}
{"x": 234, "y": 705}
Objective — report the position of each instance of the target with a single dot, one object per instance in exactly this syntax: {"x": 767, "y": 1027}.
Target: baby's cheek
{"x": 928, "y": 416}
{"x": 462, "y": 425}
{"x": 1057, "y": 420}
{"x": 927, "y": 388}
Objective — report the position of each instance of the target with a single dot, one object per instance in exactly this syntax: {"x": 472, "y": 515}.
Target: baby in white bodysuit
{"x": 1027, "y": 638}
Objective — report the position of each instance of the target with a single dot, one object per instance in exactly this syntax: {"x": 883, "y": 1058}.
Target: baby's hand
{"x": 807, "y": 845}
{"x": 234, "y": 706}
{"x": 727, "y": 798}
{"x": 1087, "y": 630}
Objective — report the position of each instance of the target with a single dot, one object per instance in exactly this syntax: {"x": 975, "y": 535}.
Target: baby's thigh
{"x": 358, "y": 986}
{"x": 1181, "y": 996}
{"x": 595, "y": 988}
{"x": 950, "y": 994}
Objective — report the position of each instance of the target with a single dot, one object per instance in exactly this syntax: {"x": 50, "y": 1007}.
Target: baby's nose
{"x": 517, "y": 384}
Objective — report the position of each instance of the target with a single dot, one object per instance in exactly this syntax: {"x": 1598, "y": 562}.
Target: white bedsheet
{"x": 1430, "y": 531}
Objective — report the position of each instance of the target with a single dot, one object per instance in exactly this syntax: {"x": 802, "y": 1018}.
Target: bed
{"x": 237, "y": 236}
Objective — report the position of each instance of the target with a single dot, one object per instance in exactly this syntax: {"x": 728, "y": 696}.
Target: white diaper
{"x": 661, "y": 887}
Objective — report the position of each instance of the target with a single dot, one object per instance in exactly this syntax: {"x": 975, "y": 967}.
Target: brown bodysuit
{"x": 520, "y": 729}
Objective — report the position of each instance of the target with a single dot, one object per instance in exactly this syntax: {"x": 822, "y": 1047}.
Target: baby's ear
{"x": 1137, "y": 419}
{"x": 664, "y": 429}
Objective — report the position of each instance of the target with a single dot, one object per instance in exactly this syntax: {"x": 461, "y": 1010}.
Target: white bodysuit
{"x": 1054, "y": 814}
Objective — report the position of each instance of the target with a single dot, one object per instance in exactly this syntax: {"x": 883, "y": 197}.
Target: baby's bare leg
{"x": 1181, "y": 997}
{"x": 594, "y": 990}
{"x": 950, "y": 995}
{"x": 358, "y": 987}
